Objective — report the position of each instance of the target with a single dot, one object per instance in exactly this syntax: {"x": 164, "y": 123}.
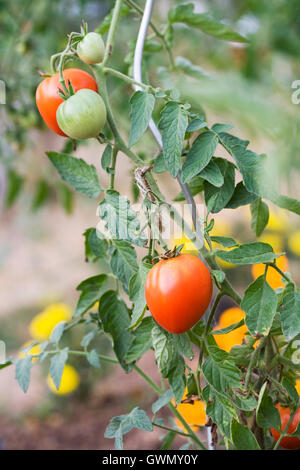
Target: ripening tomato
{"x": 48, "y": 100}
{"x": 178, "y": 291}
{"x": 83, "y": 115}
{"x": 91, "y": 48}
{"x": 287, "y": 442}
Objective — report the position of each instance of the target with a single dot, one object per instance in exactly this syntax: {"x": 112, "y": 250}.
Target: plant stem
{"x": 170, "y": 429}
{"x": 187, "y": 426}
{"x": 113, "y": 167}
{"x": 127, "y": 79}
{"x": 274, "y": 266}
{"x": 253, "y": 359}
{"x": 112, "y": 31}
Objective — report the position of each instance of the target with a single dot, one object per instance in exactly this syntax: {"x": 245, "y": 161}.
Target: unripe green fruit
{"x": 82, "y": 116}
{"x": 91, "y": 48}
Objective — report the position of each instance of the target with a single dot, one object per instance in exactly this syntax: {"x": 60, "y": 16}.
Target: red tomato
{"x": 287, "y": 442}
{"x": 48, "y": 100}
{"x": 178, "y": 292}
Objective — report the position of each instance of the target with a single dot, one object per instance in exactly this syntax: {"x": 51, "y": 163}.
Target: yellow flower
{"x": 275, "y": 240}
{"x": 69, "y": 381}
{"x": 189, "y": 247}
{"x": 273, "y": 277}
{"x": 278, "y": 221}
{"x": 193, "y": 413}
{"x": 34, "y": 350}
{"x": 42, "y": 324}
{"x": 294, "y": 242}
{"x": 235, "y": 337}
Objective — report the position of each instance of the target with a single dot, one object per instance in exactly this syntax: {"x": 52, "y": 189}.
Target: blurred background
{"x": 42, "y": 220}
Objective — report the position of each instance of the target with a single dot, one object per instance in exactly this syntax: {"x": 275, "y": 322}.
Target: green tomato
{"x": 91, "y": 48}
{"x": 82, "y": 116}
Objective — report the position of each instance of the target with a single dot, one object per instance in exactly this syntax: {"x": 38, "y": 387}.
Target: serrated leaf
{"x": 196, "y": 185}
{"x": 115, "y": 318}
{"x": 219, "y": 409}
{"x": 228, "y": 242}
{"x": 241, "y": 197}
{"x": 260, "y": 216}
{"x": 120, "y": 219}
{"x": 123, "y": 262}
{"x": 91, "y": 288}
{"x": 106, "y": 157}
{"x": 242, "y": 437}
{"x": 57, "y": 365}
{"x": 163, "y": 400}
{"x": 141, "y": 107}
{"x": 185, "y": 14}
{"x": 289, "y": 312}
{"x": 57, "y": 332}
{"x": 221, "y": 375}
{"x": 212, "y": 174}
{"x": 173, "y": 124}
{"x": 228, "y": 329}
{"x": 199, "y": 155}
{"x": 218, "y": 197}
{"x": 248, "y": 253}
{"x": 22, "y": 373}
{"x": 267, "y": 415}
{"x": 120, "y": 425}
{"x": 177, "y": 379}
{"x": 142, "y": 340}
{"x": 93, "y": 359}
{"x": 97, "y": 244}
{"x": 87, "y": 339}
{"x": 184, "y": 345}
{"x": 164, "y": 350}
{"x": 221, "y": 127}
{"x": 137, "y": 292}
{"x": 259, "y": 304}
{"x": 288, "y": 203}
{"x": 218, "y": 275}
{"x": 160, "y": 164}
{"x": 77, "y": 173}
{"x": 196, "y": 124}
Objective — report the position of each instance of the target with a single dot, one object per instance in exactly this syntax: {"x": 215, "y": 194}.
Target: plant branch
{"x": 112, "y": 31}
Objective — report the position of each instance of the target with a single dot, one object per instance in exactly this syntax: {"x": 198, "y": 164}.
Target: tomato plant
{"x": 244, "y": 381}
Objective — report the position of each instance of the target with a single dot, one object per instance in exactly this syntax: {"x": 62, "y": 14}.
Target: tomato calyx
{"x": 64, "y": 95}
{"x": 176, "y": 251}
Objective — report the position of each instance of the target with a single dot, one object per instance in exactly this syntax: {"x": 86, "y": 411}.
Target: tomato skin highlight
{"x": 291, "y": 443}
{"x": 48, "y": 100}
{"x": 83, "y": 115}
{"x": 178, "y": 292}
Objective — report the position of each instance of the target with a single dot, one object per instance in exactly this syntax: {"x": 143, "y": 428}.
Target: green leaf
{"x": 291, "y": 390}
{"x": 199, "y": 155}
{"x": 184, "y": 345}
{"x": 163, "y": 400}
{"x": 22, "y": 373}
{"x": 15, "y": 184}
{"x": 289, "y": 312}
{"x": 57, "y": 332}
{"x": 159, "y": 164}
{"x": 97, "y": 243}
{"x": 57, "y": 365}
{"x": 248, "y": 253}
{"x": 220, "y": 196}
{"x": 190, "y": 69}
{"x": 242, "y": 437}
{"x": 91, "y": 288}
{"x": 106, "y": 157}
{"x": 221, "y": 375}
{"x": 219, "y": 409}
{"x": 218, "y": 274}
{"x": 196, "y": 185}
{"x": 228, "y": 329}
{"x": 240, "y": 197}
{"x": 221, "y": 127}
{"x": 120, "y": 425}
{"x": 141, "y": 107}
{"x": 288, "y": 203}
{"x": 41, "y": 194}
{"x": 177, "y": 379}
{"x": 173, "y": 124}
{"x": 259, "y": 304}
{"x": 77, "y": 173}
{"x": 267, "y": 415}
{"x": 141, "y": 341}
{"x": 185, "y": 14}
{"x": 196, "y": 124}
{"x": 228, "y": 242}
{"x": 120, "y": 220}
{"x": 212, "y": 174}
{"x": 65, "y": 196}
{"x": 123, "y": 262}
{"x": 87, "y": 339}
{"x": 137, "y": 292}
{"x": 115, "y": 318}
{"x": 164, "y": 349}
{"x": 260, "y": 216}
{"x": 93, "y": 359}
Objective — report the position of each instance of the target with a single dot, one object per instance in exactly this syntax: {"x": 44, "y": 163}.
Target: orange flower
{"x": 235, "y": 337}
{"x": 193, "y": 413}
{"x": 273, "y": 277}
